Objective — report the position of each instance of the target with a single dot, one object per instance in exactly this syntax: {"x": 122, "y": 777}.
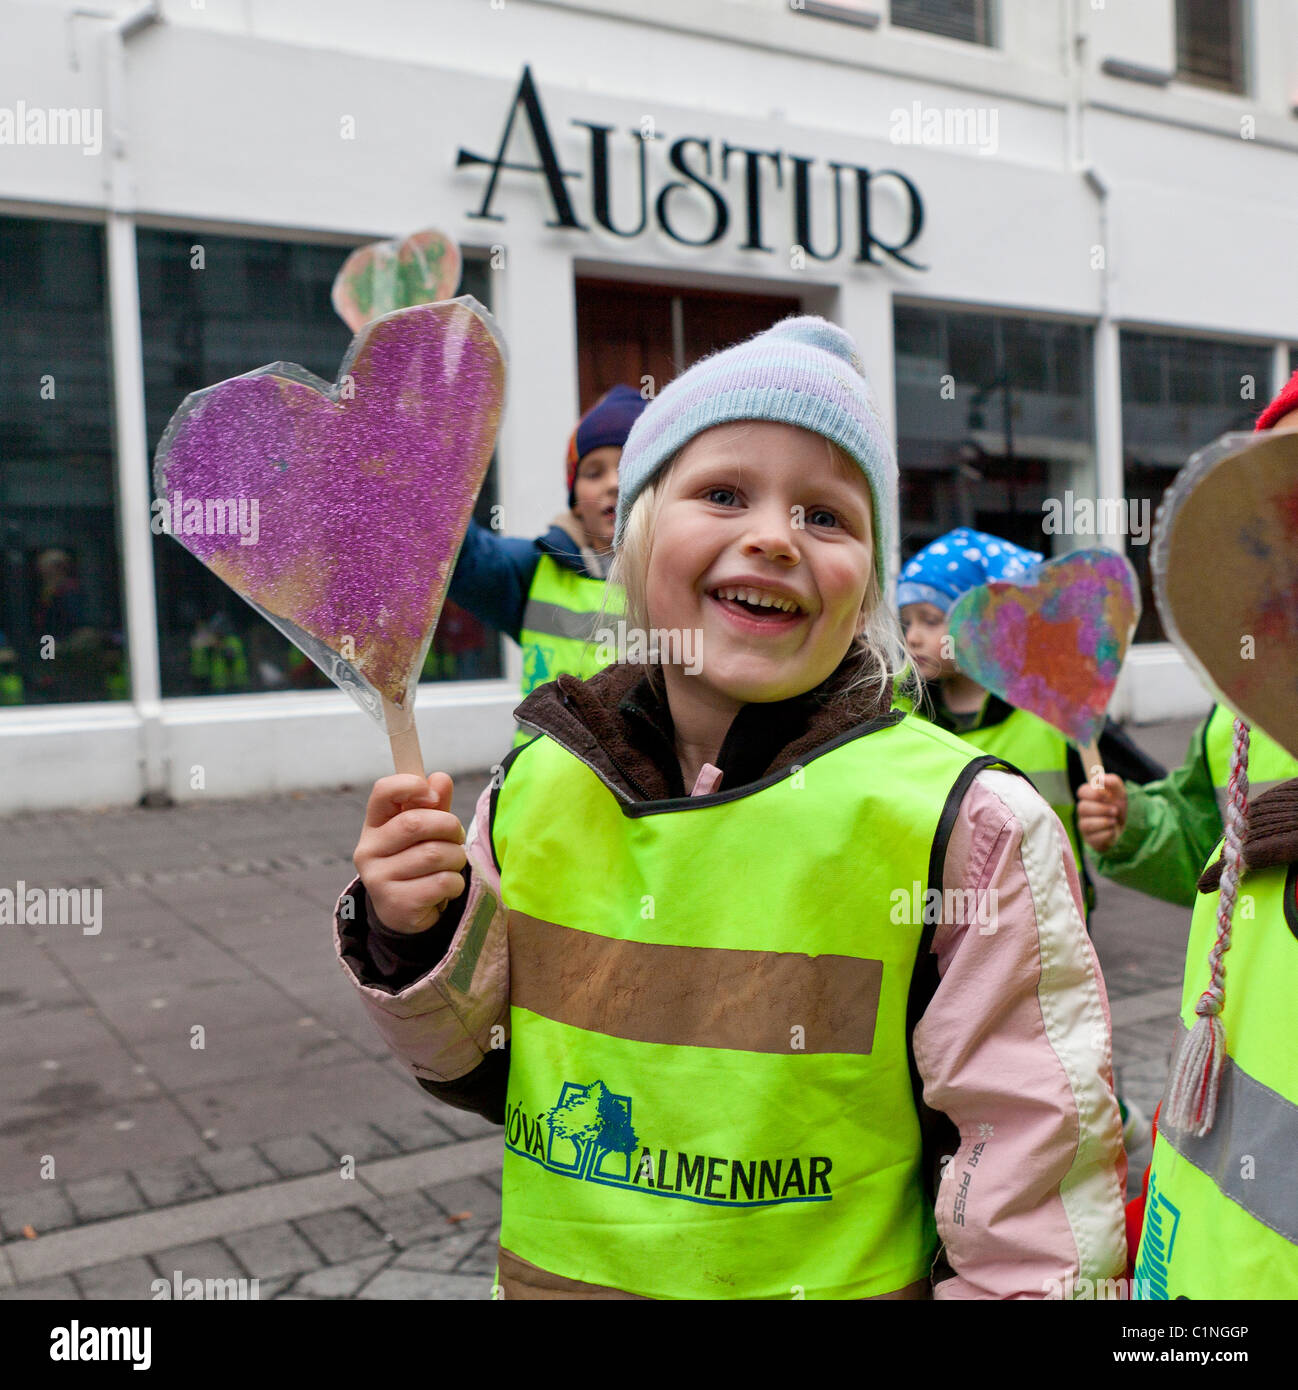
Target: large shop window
{"x": 969, "y": 20}
{"x": 1178, "y": 394}
{"x": 61, "y": 630}
{"x": 1210, "y": 43}
{"x": 215, "y": 307}
{"x": 994, "y": 426}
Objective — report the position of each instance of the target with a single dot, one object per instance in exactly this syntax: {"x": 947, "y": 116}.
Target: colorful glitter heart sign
{"x": 1052, "y": 644}
{"x": 388, "y": 275}
{"x": 358, "y": 494}
{"x": 1225, "y": 564}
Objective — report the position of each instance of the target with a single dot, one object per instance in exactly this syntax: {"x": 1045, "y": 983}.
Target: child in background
{"x": 547, "y": 593}
{"x": 721, "y": 1053}
{"x": 930, "y": 584}
{"x": 1157, "y": 838}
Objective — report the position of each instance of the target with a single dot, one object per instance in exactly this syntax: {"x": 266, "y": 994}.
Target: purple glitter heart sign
{"x": 351, "y": 499}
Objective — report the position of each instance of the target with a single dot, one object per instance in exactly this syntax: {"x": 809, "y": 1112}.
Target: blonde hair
{"x": 877, "y": 652}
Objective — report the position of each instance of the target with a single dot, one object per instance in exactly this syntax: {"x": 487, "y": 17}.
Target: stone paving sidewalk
{"x": 55, "y": 1206}
{"x": 209, "y": 1011}
{"x": 224, "y": 1163}
{"x": 437, "y": 1242}
{"x": 433, "y": 1241}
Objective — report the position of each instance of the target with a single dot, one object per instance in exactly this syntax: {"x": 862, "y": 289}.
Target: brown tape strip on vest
{"x": 521, "y": 1280}
{"x": 694, "y": 996}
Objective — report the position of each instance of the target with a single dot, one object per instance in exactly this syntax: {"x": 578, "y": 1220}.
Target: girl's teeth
{"x": 757, "y": 600}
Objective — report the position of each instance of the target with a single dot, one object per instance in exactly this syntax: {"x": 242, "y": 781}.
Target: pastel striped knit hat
{"x": 803, "y": 371}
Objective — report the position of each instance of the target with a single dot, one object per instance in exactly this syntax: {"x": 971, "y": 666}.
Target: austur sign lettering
{"x": 713, "y": 174}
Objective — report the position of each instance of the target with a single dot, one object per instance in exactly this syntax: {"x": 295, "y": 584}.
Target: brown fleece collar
{"x": 619, "y": 724}
{"x": 1271, "y": 837}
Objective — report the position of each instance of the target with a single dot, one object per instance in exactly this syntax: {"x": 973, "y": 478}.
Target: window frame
{"x": 471, "y": 253}
{"x": 871, "y": 14}
{"x": 118, "y": 605}
{"x": 990, "y": 19}
{"x": 1242, "y": 22}
{"x": 1000, "y": 318}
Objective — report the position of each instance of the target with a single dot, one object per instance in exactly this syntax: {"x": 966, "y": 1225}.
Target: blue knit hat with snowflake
{"x": 957, "y": 562}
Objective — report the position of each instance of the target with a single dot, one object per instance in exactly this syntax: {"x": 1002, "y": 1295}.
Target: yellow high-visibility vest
{"x": 710, "y": 1087}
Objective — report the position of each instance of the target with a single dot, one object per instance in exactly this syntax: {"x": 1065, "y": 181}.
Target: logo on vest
{"x": 538, "y": 663}
{"x": 1161, "y": 1222}
{"x": 588, "y": 1135}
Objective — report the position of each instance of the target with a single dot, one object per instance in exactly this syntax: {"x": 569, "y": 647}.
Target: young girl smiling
{"x": 676, "y": 956}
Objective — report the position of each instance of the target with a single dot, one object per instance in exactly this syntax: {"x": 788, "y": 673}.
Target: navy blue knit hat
{"x": 608, "y": 421}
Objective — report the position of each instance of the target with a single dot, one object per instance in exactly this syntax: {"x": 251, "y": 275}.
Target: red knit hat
{"x": 1286, "y": 401}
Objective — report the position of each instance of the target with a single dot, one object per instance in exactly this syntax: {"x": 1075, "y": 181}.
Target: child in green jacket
{"x": 1157, "y": 838}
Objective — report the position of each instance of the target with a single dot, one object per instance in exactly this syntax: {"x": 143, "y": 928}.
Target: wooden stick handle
{"x": 1093, "y": 764}
{"x": 404, "y": 738}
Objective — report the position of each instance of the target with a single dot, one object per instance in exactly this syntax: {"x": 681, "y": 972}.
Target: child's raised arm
{"x": 449, "y": 1024}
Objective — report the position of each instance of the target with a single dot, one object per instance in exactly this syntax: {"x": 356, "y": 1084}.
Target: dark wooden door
{"x": 627, "y": 332}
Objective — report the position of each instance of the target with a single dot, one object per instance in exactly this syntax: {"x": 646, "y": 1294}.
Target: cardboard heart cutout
{"x": 1225, "y": 566}
{"x": 388, "y": 275}
{"x": 359, "y": 492}
{"x": 1052, "y": 643}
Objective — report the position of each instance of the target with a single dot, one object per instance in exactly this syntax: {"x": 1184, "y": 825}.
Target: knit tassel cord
{"x": 1195, "y": 1078}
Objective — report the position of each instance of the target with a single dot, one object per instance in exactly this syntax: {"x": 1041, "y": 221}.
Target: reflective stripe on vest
{"x": 1221, "y": 1220}
{"x": 558, "y": 625}
{"x": 1268, "y": 763}
{"x": 710, "y": 1092}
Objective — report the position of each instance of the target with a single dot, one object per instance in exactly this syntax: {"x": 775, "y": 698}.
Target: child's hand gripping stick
{"x": 361, "y": 493}
{"x": 1102, "y": 811}
{"x": 1053, "y": 643}
{"x": 411, "y": 851}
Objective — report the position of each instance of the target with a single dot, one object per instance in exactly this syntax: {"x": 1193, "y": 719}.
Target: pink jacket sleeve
{"x": 443, "y": 1024}
{"x": 1015, "y": 1047}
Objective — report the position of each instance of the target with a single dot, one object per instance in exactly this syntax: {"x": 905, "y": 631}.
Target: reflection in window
{"x": 993, "y": 419}
{"x": 238, "y": 305}
{"x": 61, "y": 630}
{"x": 1179, "y": 394}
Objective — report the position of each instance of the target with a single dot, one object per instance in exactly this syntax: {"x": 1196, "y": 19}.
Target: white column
{"x": 133, "y": 488}
{"x": 864, "y": 309}
{"x": 131, "y": 446}
{"x": 533, "y": 295}
{"x": 1280, "y": 369}
{"x": 1110, "y": 481}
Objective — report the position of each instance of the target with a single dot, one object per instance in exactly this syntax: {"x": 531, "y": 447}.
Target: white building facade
{"x": 1061, "y": 232}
